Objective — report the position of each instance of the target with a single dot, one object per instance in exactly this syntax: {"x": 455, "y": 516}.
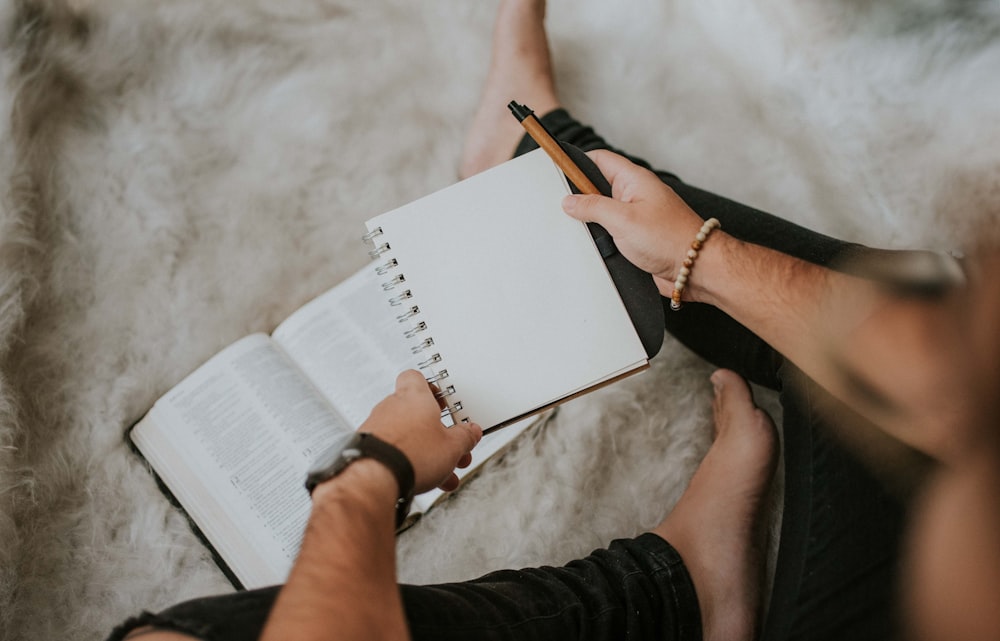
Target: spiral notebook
{"x": 507, "y": 298}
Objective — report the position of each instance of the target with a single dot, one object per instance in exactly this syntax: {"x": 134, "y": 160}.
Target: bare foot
{"x": 716, "y": 525}
{"x": 521, "y": 70}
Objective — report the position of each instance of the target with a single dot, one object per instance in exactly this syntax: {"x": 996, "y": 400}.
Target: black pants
{"x": 837, "y": 555}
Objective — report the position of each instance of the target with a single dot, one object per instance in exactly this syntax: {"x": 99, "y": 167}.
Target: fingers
{"x": 411, "y": 380}
{"x": 436, "y": 391}
{"x": 461, "y": 438}
{"x": 410, "y": 419}
{"x": 612, "y": 165}
{"x": 450, "y": 484}
{"x": 628, "y": 184}
{"x": 466, "y": 436}
{"x": 598, "y": 209}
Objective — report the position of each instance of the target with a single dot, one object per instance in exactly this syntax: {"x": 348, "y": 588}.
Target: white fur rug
{"x": 178, "y": 174}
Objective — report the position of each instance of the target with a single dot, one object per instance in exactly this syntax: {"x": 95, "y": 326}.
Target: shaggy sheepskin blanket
{"x": 177, "y": 174}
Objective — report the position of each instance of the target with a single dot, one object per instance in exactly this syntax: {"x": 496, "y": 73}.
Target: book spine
{"x": 416, "y": 328}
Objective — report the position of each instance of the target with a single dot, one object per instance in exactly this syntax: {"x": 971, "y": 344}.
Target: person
{"x": 750, "y": 304}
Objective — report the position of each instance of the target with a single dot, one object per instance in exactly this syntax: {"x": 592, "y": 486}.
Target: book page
{"x": 514, "y": 294}
{"x": 349, "y": 343}
{"x": 233, "y": 442}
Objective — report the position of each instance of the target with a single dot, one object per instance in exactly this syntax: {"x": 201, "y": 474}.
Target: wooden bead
{"x": 685, "y": 271}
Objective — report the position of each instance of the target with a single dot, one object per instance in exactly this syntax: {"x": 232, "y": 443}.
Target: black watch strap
{"x": 367, "y": 445}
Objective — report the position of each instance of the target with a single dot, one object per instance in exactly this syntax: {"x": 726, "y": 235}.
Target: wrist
{"x": 710, "y": 272}
{"x": 359, "y": 446}
{"x": 364, "y": 482}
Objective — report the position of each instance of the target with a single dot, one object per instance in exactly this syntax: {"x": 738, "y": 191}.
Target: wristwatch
{"x": 358, "y": 445}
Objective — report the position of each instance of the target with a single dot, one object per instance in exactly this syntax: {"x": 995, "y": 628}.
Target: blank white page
{"x": 514, "y": 293}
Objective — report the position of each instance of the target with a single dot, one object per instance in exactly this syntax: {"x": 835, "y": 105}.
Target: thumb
{"x": 593, "y": 208}
{"x": 411, "y": 379}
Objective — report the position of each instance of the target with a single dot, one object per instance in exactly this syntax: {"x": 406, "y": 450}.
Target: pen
{"x": 540, "y": 135}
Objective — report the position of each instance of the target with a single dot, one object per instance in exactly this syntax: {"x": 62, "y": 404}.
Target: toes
{"x": 747, "y": 429}
{"x": 733, "y": 400}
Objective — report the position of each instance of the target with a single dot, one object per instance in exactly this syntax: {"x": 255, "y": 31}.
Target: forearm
{"x": 842, "y": 331}
{"x": 343, "y": 584}
{"x": 797, "y": 307}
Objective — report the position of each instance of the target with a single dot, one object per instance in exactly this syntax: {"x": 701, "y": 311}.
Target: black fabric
{"x": 636, "y": 589}
{"x": 230, "y": 616}
{"x": 840, "y": 536}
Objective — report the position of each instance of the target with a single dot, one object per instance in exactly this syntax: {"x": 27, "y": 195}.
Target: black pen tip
{"x": 520, "y": 111}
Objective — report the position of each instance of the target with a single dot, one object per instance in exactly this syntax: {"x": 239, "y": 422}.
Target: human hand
{"x": 410, "y": 419}
{"x": 651, "y": 225}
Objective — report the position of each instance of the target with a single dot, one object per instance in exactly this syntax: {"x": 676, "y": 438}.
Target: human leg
{"x": 836, "y": 566}
{"x": 636, "y": 589}
{"x": 728, "y": 486}
{"x": 227, "y": 617}
{"x": 520, "y": 68}
{"x": 715, "y": 529}
{"x": 836, "y": 570}
{"x": 840, "y": 531}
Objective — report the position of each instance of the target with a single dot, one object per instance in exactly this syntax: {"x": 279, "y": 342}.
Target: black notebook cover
{"x": 638, "y": 291}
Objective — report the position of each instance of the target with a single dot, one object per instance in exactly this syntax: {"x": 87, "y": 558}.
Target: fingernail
{"x": 716, "y": 382}
{"x": 569, "y": 203}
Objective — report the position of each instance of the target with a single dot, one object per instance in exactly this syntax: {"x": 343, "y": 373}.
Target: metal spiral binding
{"x": 389, "y": 285}
{"x": 447, "y": 391}
{"x": 385, "y": 268}
{"x": 435, "y": 358}
{"x": 396, "y": 301}
{"x": 413, "y": 311}
{"x": 378, "y": 251}
{"x": 422, "y": 345}
{"x": 442, "y": 374}
{"x": 381, "y": 270}
{"x": 450, "y": 410}
{"x": 416, "y": 329}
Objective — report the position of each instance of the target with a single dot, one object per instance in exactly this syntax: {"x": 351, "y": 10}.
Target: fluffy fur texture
{"x": 178, "y": 174}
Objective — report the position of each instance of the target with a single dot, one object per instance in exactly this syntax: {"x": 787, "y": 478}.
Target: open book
{"x": 486, "y": 286}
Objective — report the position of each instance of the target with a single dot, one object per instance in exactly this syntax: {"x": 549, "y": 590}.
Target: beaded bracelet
{"x": 685, "y": 271}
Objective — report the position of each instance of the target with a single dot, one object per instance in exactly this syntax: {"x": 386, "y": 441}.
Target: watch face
{"x": 332, "y": 454}
{"x": 349, "y": 454}
{"x": 348, "y": 448}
